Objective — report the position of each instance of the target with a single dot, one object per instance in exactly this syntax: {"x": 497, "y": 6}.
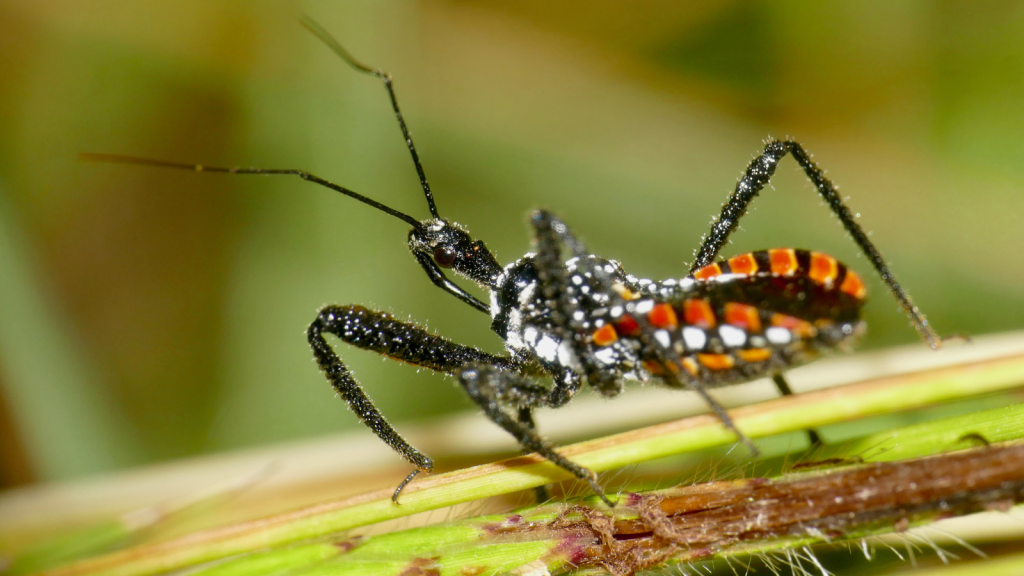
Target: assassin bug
{"x": 573, "y": 317}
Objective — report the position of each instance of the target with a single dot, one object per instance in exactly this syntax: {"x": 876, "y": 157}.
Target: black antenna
{"x": 325, "y": 37}
{"x": 119, "y": 159}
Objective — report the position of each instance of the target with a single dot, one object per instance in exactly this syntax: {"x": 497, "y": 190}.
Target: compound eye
{"x": 444, "y": 256}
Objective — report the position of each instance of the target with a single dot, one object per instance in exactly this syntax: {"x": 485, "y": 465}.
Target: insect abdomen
{"x": 788, "y": 262}
{"x": 746, "y": 316}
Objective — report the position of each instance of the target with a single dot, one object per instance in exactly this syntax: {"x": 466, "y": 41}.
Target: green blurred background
{"x": 148, "y": 314}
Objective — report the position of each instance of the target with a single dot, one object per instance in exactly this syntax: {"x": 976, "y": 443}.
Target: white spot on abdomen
{"x": 663, "y": 338}
{"x": 694, "y": 338}
{"x": 732, "y": 336}
{"x": 778, "y": 335}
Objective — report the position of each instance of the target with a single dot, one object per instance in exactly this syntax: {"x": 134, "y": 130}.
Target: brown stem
{"x": 719, "y": 517}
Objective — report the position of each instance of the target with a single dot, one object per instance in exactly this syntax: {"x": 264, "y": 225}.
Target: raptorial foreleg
{"x": 382, "y": 333}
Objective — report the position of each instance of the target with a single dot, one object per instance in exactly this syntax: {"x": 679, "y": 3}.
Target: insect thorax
{"x": 525, "y": 319}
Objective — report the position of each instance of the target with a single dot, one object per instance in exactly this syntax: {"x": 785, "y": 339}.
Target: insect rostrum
{"x": 569, "y": 317}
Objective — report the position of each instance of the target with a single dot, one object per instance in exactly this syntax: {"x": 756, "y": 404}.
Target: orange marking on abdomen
{"x": 698, "y": 313}
{"x": 716, "y": 361}
{"x": 824, "y": 268}
{"x": 801, "y": 328}
{"x": 627, "y": 326}
{"x": 709, "y": 271}
{"x": 783, "y": 260}
{"x": 742, "y": 316}
{"x": 691, "y": 366}
{"x": 743, "y": 264}
{"x": 754, "y": 354}
{"x": 663, "y": 316}
{"x": 653, "y": 367}
{"x": 656, "y": 367}
{"x": 605, "y": 335}
{"x": 853, "y": 285}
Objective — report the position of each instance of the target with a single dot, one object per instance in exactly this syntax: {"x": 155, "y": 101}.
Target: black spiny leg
{"x": 785, "y": 390}
{"x": 493, "y": 389}
{"x": 669, "y": 359}
{"x": 757, "y": 175}
{"x": 380, "y": 332}
{"x": 540, "y": 493}
{"x": 720, "y": 412}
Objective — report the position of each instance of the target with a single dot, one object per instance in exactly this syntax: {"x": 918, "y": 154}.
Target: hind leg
{"x": 784, "y": 389}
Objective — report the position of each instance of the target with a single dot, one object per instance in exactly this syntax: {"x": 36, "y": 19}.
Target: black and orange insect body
{"x": 731, "y": 321}
{"x": 752, "y": 315}
{"x": 569, "y": 317}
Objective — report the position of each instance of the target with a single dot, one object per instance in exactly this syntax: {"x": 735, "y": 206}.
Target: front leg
{"x": 381, "y": 333}
{"x": 441, "y": 281}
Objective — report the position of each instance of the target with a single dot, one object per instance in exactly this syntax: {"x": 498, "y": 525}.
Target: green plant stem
{"x": 1009, "y": 565}
{"x": 943, "y": 435}
{"x": 700, "y": 522}
{"x": 882, "y": 395}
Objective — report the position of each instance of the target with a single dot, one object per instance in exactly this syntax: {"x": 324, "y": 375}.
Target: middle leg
{"x": 497, "y": 392}
{"x": 540, "y": 493}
